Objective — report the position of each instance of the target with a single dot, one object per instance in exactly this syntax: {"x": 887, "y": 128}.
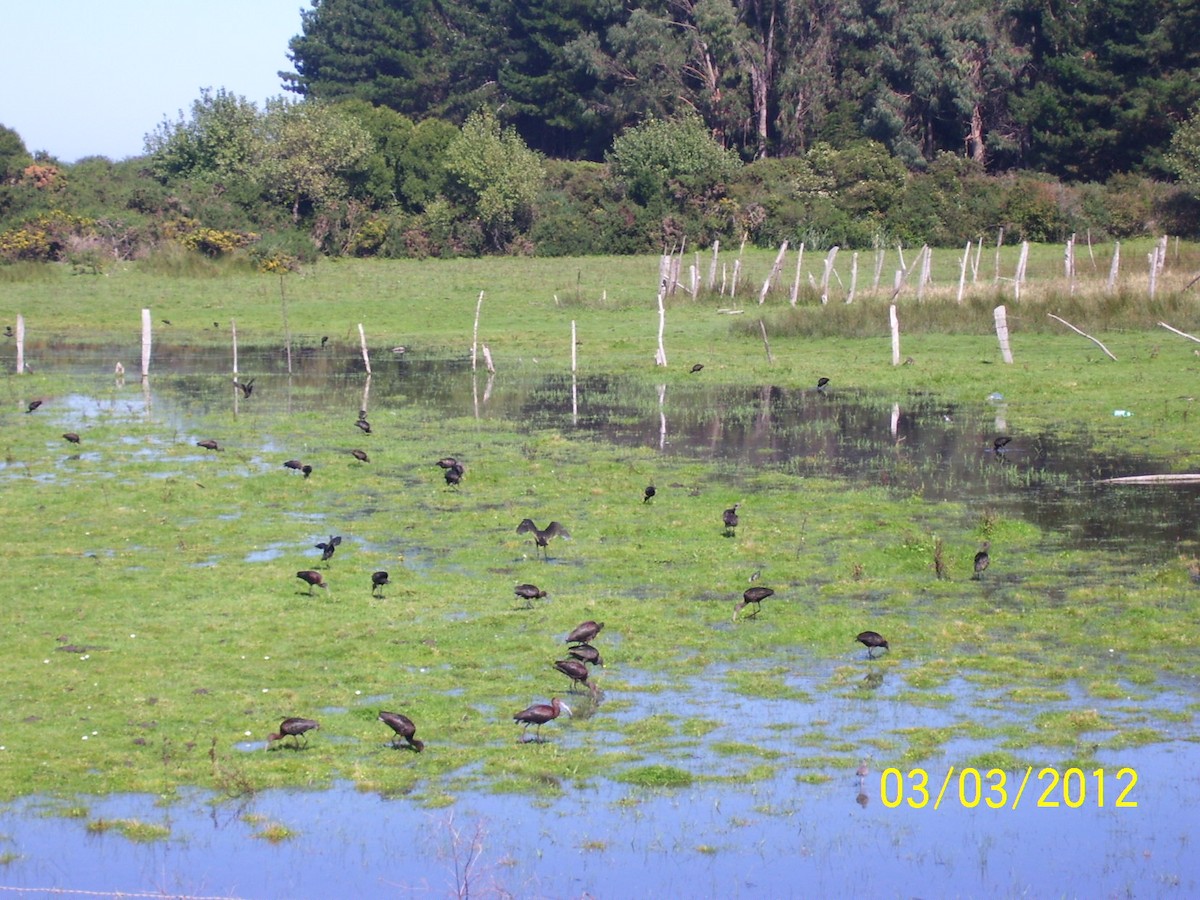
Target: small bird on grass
{"x": 360, "y": 455}
{"x": 730, "y": 518}
{"x": 697, "y": 367}
{"x": 648, "y": 493}
{"x": 822, "y": 384}
{"x": 584, "y": 632}
{"x": 313, "y": 579}
{"x": 454, "y": 475}
{"x": 529, "y": 593}
{"x": 293, "y": 727}
{"x": 404, "y": 728}
{"x": 209, "y": 444}
{"x": 541, "y": 537}
{"x": 363, "y": 425}
{"x": 539, "y": 714}
{"x": 872, "y": 640}
{"x": 378, "y": 581}
{"x": 982, "y": 560}
{"x": 32, "y": 405}
{"x": 1001, "y": 443}
{"x": 293, "y": 464}
{"x": 577, "y": 671}
{"x": 755, "y": 595}
{"x": 71, "y": 437}
{"x": 329, "y": 547}
{"x": 586, "y": 653}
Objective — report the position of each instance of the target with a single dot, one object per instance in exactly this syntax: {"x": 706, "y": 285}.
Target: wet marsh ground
{"x": 157, "y": 631}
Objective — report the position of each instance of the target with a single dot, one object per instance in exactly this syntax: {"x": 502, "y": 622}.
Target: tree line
{"x": 1079, "y": 89}
{"x": 585, "y": 128}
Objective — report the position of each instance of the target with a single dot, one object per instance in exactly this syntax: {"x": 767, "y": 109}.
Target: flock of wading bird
{"x": 580, "y": 652}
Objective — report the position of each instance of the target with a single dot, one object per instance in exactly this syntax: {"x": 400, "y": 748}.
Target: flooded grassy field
{"x": 156, "y": 633}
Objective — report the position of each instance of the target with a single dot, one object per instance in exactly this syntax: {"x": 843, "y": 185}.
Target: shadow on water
{"x": 810, "y": 826}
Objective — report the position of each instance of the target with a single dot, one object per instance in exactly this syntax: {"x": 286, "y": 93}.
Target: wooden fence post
{"x": 146, "y": 337}
{"x": 895, "y": 335}
{"x": 1002, "y": 333}
{"x": 20, "y": 344}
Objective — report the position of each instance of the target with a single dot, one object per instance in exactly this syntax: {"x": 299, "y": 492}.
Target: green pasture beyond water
{"x": 140, "y": 647}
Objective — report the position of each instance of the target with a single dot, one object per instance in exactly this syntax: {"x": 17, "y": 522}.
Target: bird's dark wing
{"x": 554, "y": 528}
{"x": 526, "y": 525}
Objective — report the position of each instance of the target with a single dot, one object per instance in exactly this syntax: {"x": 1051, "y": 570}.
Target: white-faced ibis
{"x": 293, "y": 464}
{"x": 364, "y": 425}
{"x": 539, "y": 714}
{"x": 209, "y": 444}
{"x": 454, "y": 474}
{"x": 71, "y": 437}
{"x": 730, "y": 518}
{"x": 529, "y": 593}
{"x": 324, "y": 341}
{"x": 404, "y": 728}
{"x": 982, "y": 560}
{"x": 697, "y": 367}
{"x": 448, "y": 462}
{"x": 542, "y": 537}
{"x": 577, "y": 671}
{"x": 871, "y": 640}
{"x": 360, "y": 455}
{"x": 586, "y": 653}
{"x": 584, "y": 632}
{"x": 329, "y": 547}
{"x": 822, "y": 383}
{"x": 32, "y": 405}
{"x": 293, "y": 727}
{"x": 648, "y": 493}
{"x": 246, "y": 387}
{"x": 306, "y": 469}
{"x": 312, "y": 578}
{"x": 755, "y": 595}
{"x": 378, "y": 580}
{"x": 1001, "y": 443}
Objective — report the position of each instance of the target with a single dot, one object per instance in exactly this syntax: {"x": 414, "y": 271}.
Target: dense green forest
{"x": 550, "y": 127}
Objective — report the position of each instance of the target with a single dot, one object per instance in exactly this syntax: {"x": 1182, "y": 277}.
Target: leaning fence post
{"x": 475, "y": 334}
{"x": 660, "y": 358}
{"x": 1002, "y": 333}
{"x": 362, "y": 340}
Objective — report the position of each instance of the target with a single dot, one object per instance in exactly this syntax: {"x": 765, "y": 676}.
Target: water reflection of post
{"x": 574, "y": 386}
{"x": 662, "y": 417}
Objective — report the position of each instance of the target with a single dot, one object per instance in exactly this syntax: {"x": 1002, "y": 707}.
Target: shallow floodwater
{"x": 773, "y": 838}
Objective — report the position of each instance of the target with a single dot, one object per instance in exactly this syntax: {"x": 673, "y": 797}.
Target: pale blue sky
{"x": 93, "y": 77}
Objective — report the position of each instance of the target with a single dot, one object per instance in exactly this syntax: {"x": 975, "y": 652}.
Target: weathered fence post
{"x": 853, "y": 277}
{"x": 774, "y": 273}
{"x": 660, "y": 358}
{"x": 1019, "y": 278}
{"x": 796, "y": 282}
{"x": 1002, "y": 333}
{"x": 20, "y": 344}
{"x": 146, "y": 337}
{"x": 712, "y": 266}
{"x": 962, "y": 271}
{"x": 362, "y": 342}
{"x": 829, "y": 258}
{"x": 1114, "y": 267}
{"x": 475, "y": 333}
{"x": 895, "y": 322}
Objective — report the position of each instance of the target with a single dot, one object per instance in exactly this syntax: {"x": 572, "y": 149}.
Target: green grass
{"x": 142, "y": 651}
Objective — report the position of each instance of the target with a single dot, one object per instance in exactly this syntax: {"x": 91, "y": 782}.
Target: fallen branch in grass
{"x": 1084, "y": 333}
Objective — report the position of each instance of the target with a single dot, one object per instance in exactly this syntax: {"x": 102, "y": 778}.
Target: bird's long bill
{"x": 567, "y": 708}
